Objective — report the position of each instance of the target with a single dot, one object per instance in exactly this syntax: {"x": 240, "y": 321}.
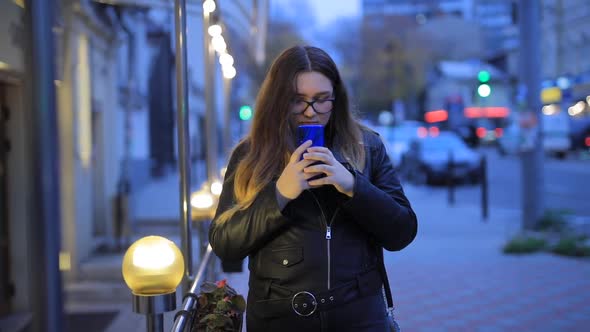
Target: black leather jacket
{"x": 322, "y": 238}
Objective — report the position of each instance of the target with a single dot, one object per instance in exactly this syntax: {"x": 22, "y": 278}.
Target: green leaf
{"x": 203, "y": 301}
{"x": 219, "y": 314}
{"x": 219, "y": 321}
{"x": 524, "y": 245}
{"x": 223, "y": 306}
{"x": 219, "y": 293}
{"x": 208, "y": 318}
{"x": 239, "y": 303}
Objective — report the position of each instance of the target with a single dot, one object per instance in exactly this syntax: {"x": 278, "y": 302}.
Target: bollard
{"x": 450, "y": 182}
{"x": 484, "y": 187}
{"x": 121, "y": 219}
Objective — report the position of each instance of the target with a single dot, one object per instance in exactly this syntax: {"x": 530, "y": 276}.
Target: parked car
{"x": 556, "y": 132}
{"x": 397, "y": 138}
{"x": 428, "y": 160}
{"x": 580, "y": 131}
{"x": 557, "y": 139}
{"x": 400, "y": 138}
{"x": 511, "y": 141}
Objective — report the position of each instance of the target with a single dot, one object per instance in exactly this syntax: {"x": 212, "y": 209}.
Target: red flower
{"x": 221, "y": 283}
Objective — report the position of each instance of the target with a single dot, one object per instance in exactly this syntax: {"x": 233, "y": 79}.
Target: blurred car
{"x": 556, "y": 136}
{"x": 556, "y": 131}
{"x": 488, "y": 131}
{"x": 580, "y": 133}
{"x": 511, "y": 141}
{"x": 428, "y": 159}
{"x": 399, "y": 139}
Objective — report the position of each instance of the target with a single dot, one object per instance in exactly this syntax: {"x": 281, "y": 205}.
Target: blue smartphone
{"x": 313, "y": 132}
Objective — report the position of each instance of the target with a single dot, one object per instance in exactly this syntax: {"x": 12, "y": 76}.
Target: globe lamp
{"x": 204, "y": 201}
{"x": 153, "y": 266}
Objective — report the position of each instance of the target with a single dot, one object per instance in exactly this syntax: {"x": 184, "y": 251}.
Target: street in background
{"x": 440, "y": 158}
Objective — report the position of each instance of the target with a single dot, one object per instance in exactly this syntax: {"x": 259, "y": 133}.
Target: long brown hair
{"x": 271, "y": 140}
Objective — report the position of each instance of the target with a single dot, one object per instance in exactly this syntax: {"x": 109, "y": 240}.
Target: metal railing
{"x": 185, "y": 316}
{"x": 189, "y": 302}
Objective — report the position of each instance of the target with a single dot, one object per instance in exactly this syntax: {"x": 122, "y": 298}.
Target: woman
{"x": 313, "y": 244}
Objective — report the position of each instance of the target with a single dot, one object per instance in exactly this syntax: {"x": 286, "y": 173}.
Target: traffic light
{"x": 483, "y": 76}
{"x": 484, "y": 89}
{"x": 245, "y": 113}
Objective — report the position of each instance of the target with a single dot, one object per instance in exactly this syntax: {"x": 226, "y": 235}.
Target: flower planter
{"x": 219, "y": 308}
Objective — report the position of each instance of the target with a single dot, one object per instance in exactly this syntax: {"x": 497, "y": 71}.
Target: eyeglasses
{"x": 320, "y": 106}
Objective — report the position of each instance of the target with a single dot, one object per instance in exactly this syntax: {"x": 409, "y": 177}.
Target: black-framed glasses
{"x": 320, "y": 106}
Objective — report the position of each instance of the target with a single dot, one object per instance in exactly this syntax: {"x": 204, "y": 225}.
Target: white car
{"x": 556, "y": 133}
{"x": 556, "y": 136}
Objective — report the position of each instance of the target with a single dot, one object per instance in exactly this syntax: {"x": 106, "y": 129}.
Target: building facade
{"x": 116, "y": 121}
{"x": 14, "y": 205}
{"x": 566, "y": 38}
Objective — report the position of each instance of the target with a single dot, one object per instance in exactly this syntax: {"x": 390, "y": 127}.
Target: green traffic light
{"x": 483, "y": 76}
{"x": 245, "y": 113}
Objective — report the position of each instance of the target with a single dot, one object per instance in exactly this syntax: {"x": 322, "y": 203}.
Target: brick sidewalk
{"x": 454, "y": 277}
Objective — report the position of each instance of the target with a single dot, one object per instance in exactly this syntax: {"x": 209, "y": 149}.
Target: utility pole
{"x": 533, "y": 184}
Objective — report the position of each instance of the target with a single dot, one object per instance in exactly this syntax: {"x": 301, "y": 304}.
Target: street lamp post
{"x": 209, "y": 7}
{"x": 227, "y": 129}
{"x": 226, "y": 116}
{"x": 210, "y": 114}
{"x": 229, "y": 72}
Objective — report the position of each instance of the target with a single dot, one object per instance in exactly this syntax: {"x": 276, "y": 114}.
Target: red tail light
{"x": 436, "y": 116}
{"x": 434, "y": 131}
{"x": 499, "y": 132}
{"x": 587, "y": 141}
{"x": 480, "y": 132}
{"x": 422, "y": 132}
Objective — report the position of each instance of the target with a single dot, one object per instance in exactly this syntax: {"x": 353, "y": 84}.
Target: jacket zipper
{"x": 328, "y": 233}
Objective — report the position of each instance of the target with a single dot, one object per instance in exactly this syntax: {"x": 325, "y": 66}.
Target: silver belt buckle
{"x": 304, "y": 303}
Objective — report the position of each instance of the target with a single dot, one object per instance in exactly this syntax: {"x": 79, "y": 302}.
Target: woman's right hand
{"x": 293, "y": 181}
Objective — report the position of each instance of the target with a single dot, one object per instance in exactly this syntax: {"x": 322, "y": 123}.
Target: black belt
{"x": 306, "y": 303}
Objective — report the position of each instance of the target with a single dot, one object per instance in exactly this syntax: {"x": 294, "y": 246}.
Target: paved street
{"x": 566, "y": 183}
{"x": 454, "y": 276}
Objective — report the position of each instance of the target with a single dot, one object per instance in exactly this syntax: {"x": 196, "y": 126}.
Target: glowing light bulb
{"x": 153, "y": 265}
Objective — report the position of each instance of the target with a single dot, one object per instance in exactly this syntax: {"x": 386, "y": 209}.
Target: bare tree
{"x": 452, "y": 38}
{"x": 388, "y": 58}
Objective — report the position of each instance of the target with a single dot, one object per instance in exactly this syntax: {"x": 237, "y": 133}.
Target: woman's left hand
{"x": 336, "y": 174}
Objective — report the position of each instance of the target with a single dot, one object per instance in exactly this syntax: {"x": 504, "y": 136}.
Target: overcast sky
{"x": 324, "y": 11}
{"x": 327, "y": 11}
